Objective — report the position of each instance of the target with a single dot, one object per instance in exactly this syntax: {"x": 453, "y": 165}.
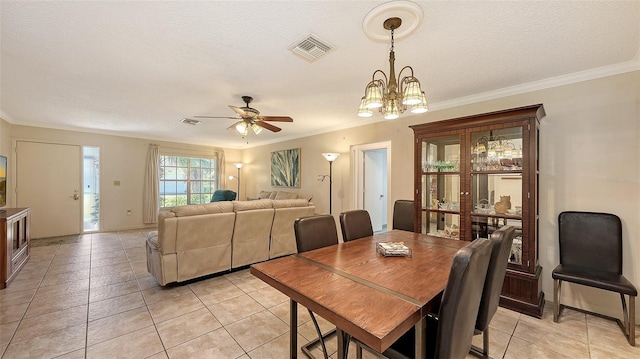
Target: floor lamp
{"x": 330, "y": 156}
{"x": 238, "y": 166}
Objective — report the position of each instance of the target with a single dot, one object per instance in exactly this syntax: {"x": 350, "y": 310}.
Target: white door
{"x": 48, "y": 181}
{"x": 375, "y": 199}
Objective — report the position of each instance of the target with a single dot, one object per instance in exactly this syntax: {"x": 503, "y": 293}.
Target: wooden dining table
{"x": 367, "y": 296}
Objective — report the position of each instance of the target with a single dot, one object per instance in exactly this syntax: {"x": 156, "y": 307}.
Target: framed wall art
{"x": 285, "y": 168}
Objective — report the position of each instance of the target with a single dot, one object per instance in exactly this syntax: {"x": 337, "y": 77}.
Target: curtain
{"x": 151, "y": 197}
{"x": 222, "y": 179}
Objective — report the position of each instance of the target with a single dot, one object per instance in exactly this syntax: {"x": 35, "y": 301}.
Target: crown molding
{"x": 551, "y": 82}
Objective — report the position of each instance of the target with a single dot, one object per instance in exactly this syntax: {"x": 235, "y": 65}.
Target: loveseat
{"x": 197, "y": 240}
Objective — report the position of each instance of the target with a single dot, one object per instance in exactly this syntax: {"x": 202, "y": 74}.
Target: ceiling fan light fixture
{"x": 242, "y": 128}
{"x": 256, "y": 129}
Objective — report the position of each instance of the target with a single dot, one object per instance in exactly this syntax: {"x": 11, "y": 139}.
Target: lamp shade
{"x": 242, "y": 128}
{"x": 238, "y": 165}
{"x": 412, "y": 93}
{"x": 420, "y": 107}
{"x": 391, "y": 111}
{"x": 256, "y": 129}
{"x": 330, "y": 156}
{"x": 363, "y": 111}
{"x": 373, "y": 96}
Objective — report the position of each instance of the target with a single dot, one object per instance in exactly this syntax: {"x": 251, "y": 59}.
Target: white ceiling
{"x": 137, "y": 68}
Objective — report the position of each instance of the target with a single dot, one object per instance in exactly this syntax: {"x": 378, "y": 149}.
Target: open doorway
{"x": 371, "y": 174}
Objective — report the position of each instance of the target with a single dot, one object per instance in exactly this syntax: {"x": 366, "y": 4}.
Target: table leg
{"x": 421, "y": 345}
{"x": 343, "y": 343}
{"x": 293, "y": 329}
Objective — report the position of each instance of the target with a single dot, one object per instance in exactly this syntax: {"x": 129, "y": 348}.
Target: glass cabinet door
{"x": 496, "y": 191}
{"x": 440, "y": 198}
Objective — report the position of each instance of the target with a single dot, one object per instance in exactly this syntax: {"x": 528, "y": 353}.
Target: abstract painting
{"x": 285, "y": 168}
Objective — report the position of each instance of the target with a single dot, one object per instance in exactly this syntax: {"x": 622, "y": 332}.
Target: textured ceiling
{"x": 137, "y": 68}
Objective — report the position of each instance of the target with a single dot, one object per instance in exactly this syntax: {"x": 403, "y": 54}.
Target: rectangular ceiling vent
{"x": 310, "y": 48}
{"x": 190, "y": 121}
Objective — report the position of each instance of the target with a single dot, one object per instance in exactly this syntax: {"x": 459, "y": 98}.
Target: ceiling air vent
{"x": 190, "y": 121}
{"x": 310, "y": 48}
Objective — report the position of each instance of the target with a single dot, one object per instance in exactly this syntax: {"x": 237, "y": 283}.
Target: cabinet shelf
{"x": 496, "y": 167}
{"x": 501, "y": 172}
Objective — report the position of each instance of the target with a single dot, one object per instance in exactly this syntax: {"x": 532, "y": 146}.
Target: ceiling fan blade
{"x": 239, "y": 111}
{"x": 227, "y": 117}
{"x": 276, "y": 118}
{"x": 268, "y": 126}
{"x": 233, "y": 127}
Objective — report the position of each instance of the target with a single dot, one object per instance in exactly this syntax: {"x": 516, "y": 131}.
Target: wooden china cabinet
{"x": 476, "y": 174}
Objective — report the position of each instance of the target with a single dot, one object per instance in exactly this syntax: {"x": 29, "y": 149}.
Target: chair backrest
{"x": 355, "y": 224}
{"x": 589, "y": 239}
{"x": 501, "y": 241}
{"x": 315, "y": 232}
{"x": 461, "y": 299}
{"x": 403, "y": 212}
{"x": 223, "y": 195}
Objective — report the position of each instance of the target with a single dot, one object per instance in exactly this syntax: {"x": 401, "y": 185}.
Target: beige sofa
{"x": 196, "y": 240}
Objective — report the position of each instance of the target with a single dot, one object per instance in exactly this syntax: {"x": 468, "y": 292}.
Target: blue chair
{"x": 223, "y": 195}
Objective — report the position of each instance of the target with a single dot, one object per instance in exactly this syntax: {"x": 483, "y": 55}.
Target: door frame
{"x": 357, "y": 158}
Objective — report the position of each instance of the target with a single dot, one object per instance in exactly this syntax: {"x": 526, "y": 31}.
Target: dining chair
{"x": 403, "y": 213}
{"x": 449, "y": 333}
{"x": 591, "y": 255}
{"x": 501, "y": 241}
{"x": 311, "y": 233}
{"x": 355, "y": 224}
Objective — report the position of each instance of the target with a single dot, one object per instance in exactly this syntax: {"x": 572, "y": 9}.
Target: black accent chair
{"x": 403, "y": 212}
{"x": 591, "y": 255}
{"x": 450, "y": 332}
{"x": 311, "y": 233}
{"x": 501, "y": 241}
{"x": 355, "y": 224}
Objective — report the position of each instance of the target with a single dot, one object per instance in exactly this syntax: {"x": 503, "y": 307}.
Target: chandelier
{"x": 387, "y": 94}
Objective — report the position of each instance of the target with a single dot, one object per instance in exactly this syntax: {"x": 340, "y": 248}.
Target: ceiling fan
{"x": 250, "y": 118}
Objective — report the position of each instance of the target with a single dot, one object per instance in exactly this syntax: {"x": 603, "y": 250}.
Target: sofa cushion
{"x": 264, "y": 194}
{"x": 205, "y": 208}
{"x": 223, "y": 195}
{"x": 286, "y": 195}
{"x": 249, "y": 205}
{"x": 287, "y": 203}
{"x": 273, "y": 194}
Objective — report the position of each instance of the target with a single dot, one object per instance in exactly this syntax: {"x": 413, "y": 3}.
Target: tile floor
{"x": 92, "y": 298}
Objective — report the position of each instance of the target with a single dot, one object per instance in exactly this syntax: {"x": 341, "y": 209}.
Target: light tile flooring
{"x": 93, "y": 298}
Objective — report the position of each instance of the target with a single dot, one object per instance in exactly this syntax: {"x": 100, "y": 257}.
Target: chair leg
{"x": 484, "y": 351}
{"x": 632, "y": 320}
{"x": 629, "y": 326}
{"x": 485, "y": 343}
{"x": 321, "y": 337}
{"x": 557, "y": 284}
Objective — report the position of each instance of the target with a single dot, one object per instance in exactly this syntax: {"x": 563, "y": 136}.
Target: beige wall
{"x": 589, "y": 160}
{"x": 121, "y": 159}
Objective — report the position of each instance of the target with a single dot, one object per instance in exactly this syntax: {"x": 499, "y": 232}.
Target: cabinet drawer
{"x": 19, "y": 259}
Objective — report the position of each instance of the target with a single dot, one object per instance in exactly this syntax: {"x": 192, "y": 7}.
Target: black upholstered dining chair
{"x": 355, "y": 224}
{"x": 501, "y": 241}
{"x": 403, "y": 212}
{"x": 311, "y": 233}
{"x": 449, "y": 333}
{"x": 591, "y": 255}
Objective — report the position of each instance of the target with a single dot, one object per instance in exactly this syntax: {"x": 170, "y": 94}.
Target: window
{"x": 91, "y": 188}
{"x": 186, "y": 180}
